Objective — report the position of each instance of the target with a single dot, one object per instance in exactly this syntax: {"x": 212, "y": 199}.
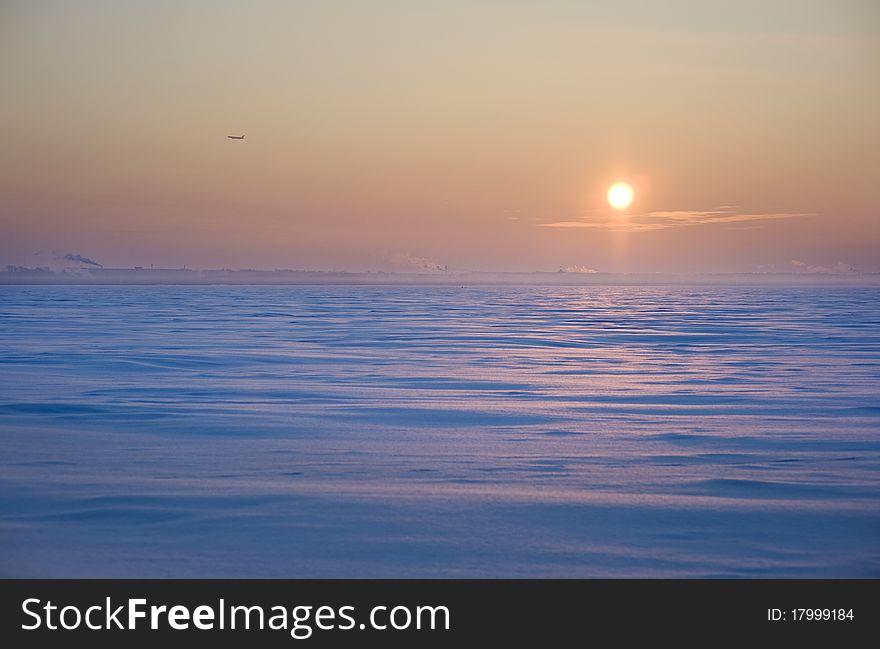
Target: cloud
{"x": 410, "y": 262}
{"x": 719, "y": 216}
{"x": 605, "y": 225}
{"x": 578, "y": 269}
{"x": 664, "y": 220}
{"x": 80, "y": 259}
{"x": 834, "y": 269}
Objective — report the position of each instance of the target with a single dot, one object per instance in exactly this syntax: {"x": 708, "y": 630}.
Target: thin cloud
{"x": 684, "y": 215}
{"x": 664, "y": 220}
{"x": 722, "y": 216}
{"x": 605, "y": 225}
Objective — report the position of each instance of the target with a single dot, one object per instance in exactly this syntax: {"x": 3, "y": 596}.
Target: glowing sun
{"x": 620, "y": 195}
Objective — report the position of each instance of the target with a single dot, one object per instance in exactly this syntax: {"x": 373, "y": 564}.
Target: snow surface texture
{"x": 439, "y": 432}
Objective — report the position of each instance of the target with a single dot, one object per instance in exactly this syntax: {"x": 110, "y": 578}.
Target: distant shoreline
{"x": 190, "y": 277}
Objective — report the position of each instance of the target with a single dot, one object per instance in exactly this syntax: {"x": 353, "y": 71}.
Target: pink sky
{"x": 481, "y": 136}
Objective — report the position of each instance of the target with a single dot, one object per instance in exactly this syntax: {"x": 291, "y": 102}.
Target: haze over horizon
{"x": 410, "y": 135}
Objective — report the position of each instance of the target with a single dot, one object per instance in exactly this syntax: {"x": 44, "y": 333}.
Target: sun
{"x": 620, "y": 195}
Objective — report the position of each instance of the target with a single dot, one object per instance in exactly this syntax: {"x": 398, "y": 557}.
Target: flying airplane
{"x": 235, "y": 137}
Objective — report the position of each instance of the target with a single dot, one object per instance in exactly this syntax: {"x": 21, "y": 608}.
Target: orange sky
{"x": 478, "y": 135}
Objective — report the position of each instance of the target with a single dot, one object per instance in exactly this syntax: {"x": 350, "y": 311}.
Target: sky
{"x": 417, "y": 134}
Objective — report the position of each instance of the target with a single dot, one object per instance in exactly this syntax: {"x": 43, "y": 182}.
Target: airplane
{"x": 235, "y": 137}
